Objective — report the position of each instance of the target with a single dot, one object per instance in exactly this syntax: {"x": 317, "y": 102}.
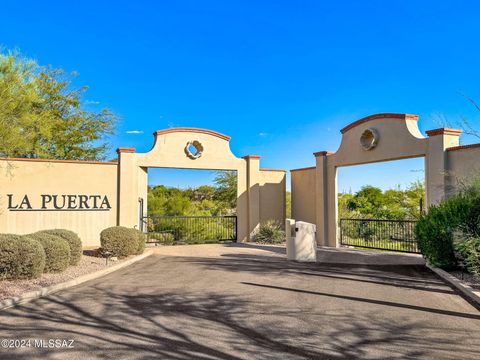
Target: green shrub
{"x": 57, "y": 251}
{"x": 73, "y": 241}
{"x": 20, "y": 257}
{"x": 119, "y": 241}
{"x": 163, "y": 238}
{"x": 270, "y": 232}
{"x": 141, "y": 241}
{"x": 435, "y": 230}
{"x": 468, "y": 251}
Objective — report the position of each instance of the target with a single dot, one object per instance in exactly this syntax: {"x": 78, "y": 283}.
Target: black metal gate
{"x": 189, "y": 229}
{"x": 392, "y": 235}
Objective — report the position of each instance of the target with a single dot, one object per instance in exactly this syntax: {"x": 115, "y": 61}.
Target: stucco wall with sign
{"x": 86, "y": 197}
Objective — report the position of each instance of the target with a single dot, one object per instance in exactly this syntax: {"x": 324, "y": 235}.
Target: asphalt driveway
{"x": 245, "y": 302}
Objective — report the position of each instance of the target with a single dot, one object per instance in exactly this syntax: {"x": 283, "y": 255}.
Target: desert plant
{"x": 20, "y": 257}
{"x": 73, "y": 241}
{"x": 270, "y": 232}
{"x": 119, "y": 241}
{"x": 57, "y": 251}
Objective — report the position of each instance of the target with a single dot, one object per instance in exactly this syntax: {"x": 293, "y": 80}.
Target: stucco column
{"x": 253, "y": 193}
{"x": 128, "y": 214}
{"x": 323, "y": 199}
{"x": 436, "y": 162}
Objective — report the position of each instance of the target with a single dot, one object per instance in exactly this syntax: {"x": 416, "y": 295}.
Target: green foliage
{"x": 436, "y": 230}
{"x": 162, "y": 238}
{"x": 372, "y": 203}
{"x": 42, "y": 116}
{"x": 73, "y": 241}
{"x": 226, "y": 182}
{"x": 288, "y": 204}
{"x": 57, "y": 251}
{"x": 20, "y": 257}
{"x": 141, "y": 241}
{"x": 270, "y": 232}
{"x": 468, "y": 251}
{"x": 204, "y": 200}
{"x": 120, "y": 241}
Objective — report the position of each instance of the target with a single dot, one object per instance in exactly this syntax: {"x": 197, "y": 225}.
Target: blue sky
{"x": 280, "y": 77}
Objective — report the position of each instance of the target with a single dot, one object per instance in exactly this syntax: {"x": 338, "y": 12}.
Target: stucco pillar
{"x": 436, "y": 162}
{"x": 253, "y": 193}
{"x": 128, "y": 213}
{"x": 324, "y": 199}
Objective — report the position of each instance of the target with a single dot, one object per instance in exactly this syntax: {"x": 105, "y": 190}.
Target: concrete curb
{"x": 32, "y": 295}
{"x": 472, "y": 295}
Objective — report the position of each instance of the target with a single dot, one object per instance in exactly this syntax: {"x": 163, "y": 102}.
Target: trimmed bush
{"x": 20, "y": 257}
{"x": 141, "y": 241}
{"x": 73, "y": 241}
{"x": 57, "y": 251}
{"x": 270, "y": 232}
{"x": 119, "y": 241}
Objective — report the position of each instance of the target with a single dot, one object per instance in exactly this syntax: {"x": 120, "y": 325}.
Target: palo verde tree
{"x": 42, "y": 115}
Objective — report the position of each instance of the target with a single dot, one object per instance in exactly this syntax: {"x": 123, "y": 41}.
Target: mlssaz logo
{"x": 47, "y": 202}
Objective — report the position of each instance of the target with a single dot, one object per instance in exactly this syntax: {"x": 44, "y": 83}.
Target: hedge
{"x": 56, "y": 249}
{"x": 120, "y": 241}
{"x": 73, "y": 241}
{"x": 20, "y": 257}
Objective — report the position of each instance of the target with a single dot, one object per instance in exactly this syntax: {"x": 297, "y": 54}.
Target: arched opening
{"x": 378, "y": 204}
{"x": 185, "y": 206}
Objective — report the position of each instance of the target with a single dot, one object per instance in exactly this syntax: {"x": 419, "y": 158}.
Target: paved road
{"x": 241, "y": 302}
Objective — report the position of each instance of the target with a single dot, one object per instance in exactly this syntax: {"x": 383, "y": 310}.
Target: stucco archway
{"x": 169, "y": 151}
{"x": 376, "y": 138}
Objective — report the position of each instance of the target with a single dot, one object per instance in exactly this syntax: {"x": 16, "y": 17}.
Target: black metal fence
{"x": 189, "y": 229}
{"x": 392, "y": 235}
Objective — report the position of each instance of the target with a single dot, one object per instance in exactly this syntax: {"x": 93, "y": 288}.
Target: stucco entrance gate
{"x": 376, "y": 138}
{"x": 260, "y": 192}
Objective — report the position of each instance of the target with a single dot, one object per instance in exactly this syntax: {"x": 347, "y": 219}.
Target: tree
{"x": 371, "y": 202}
{"x": 42, "y": 116}
{"x": 226, "y": 182}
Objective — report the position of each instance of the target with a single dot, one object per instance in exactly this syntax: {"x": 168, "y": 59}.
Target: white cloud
{"x": 91, "y": 102}
{"x": 262, "y": 134}
{"x": 134, "y": 132}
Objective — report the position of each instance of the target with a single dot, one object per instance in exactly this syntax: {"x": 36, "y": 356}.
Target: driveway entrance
{"x": 246, "y": 302}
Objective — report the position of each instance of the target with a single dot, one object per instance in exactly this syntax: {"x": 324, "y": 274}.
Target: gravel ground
{"x": 88, "y": 264}
{"x": 467, "y": 278}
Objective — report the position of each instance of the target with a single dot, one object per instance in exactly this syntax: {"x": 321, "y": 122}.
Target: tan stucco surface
{"x": 398, "y": 137}
{"x": 168, "y": 151}
{"x": 34, "y": 178}
{"x": 463, "y": 167}
{"x": 272, "y": 195}
{"x": 303, "y": 195}
{"x": 260, "y": 193}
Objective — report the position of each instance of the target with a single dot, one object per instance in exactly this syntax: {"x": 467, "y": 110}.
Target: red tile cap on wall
{"x": 444, "y": 131}
{"x": 195, "y": 130}
{"x": 379, "y": 116}
{"x": 125, "y": 150}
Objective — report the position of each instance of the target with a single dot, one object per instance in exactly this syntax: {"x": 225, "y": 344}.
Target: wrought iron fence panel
{"x": 189, "y": 229}
{"x": 392, "y": 235}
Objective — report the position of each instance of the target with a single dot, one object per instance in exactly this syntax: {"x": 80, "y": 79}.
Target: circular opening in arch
{"x": 369, "y": 139}
{"x": 194, "y": 149}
